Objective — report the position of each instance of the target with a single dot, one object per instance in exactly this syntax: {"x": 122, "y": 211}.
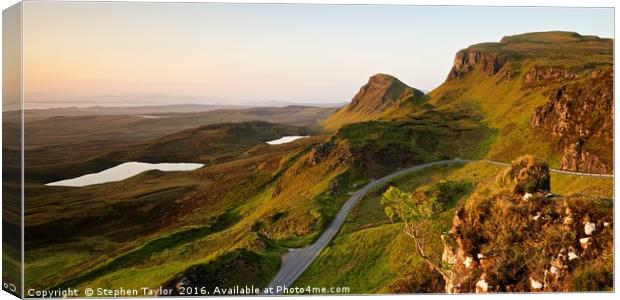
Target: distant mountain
{"x": 381, "y": 94}
{"x": 69, "y": 109}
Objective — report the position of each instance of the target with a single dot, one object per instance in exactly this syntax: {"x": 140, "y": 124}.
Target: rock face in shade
{"x": 580, "y": 116}
{"x": 381, "y": 91}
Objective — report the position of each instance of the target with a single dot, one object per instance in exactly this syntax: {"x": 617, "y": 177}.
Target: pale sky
{"x": 103, "y": 53}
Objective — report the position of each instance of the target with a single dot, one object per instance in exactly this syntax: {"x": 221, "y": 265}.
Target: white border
{"x": 575, "y": 3}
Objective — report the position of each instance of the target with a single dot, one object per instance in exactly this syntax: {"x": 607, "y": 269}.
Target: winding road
{"x": 296, "y": 261}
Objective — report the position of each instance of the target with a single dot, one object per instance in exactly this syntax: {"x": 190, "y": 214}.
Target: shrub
{"x": 527, "y": 174}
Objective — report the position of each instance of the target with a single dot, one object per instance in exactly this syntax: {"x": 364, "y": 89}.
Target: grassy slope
{"x": 294, "y": 216}
{"x": 341, "y": 117}
{"x": 139, "y": 214}
{"x": 370, "y": 253}
{"x": 505, "y": 104}
{"x": 242, "y": 193}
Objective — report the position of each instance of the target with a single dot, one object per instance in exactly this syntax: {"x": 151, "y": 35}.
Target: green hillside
{"x": 505, "y": 82}
{"x": 230, "y": 221}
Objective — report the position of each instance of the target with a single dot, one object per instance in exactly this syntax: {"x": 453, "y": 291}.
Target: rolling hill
{"x": 209, "y": 143}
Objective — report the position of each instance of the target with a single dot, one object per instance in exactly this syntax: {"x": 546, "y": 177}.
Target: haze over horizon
{"x": 113, "y": 53}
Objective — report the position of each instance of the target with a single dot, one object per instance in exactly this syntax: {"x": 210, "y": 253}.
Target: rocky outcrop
{"x": 507, "y": 241}
{"x": 576, "y": 158}
{"x": 467, "y": 60}
{"x": 381, "y": 91}
{"x": 580, "y": 118}
{"x": 542, "y": 75}
{"x": 322, "y": 152}
{"x": 319, "y": 153}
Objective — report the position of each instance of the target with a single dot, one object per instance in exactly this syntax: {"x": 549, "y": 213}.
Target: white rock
{"x": 527, "y": 196}
{"x": 584, "y": 242}
{"x": 572, "y": 256}
{"x": 480, "y": 256}
{"x": 448, "y": 255}
{"x": 535, "y": 284}
{"x": 606, "y": 224}
{"x": 536, "y": 216}
{"x": 589, "y": 228}
{"x": 482, "y": 286}
{"x": 468, "y": 261}
{"x": 553, "y": 270}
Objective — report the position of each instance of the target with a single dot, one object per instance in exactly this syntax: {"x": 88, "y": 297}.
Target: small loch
{"x": 122, "y": 172}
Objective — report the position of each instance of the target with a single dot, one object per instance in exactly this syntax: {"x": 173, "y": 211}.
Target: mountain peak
{"x": 381, "y": 77}
{"x": 380, "y": 91}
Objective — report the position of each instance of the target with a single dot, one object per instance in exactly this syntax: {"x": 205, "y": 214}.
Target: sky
{"x": 165, "y": 53}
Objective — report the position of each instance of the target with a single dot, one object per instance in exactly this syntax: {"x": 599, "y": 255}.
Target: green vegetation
{"x": 229, "y": 222}
{"x": 237, "y": 268}
{"x": 372, "y": 255}
{"x": 135, "y": 256}
{"x": 504, "y": 100}
{"x": 517, "y": 236}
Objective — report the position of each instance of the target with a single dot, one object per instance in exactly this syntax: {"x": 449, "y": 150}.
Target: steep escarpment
{"x": 512, "y": 85}
{"x": 466, "y": 60}
{"x": 580, "y": 117}
{"x": 383, "y": 93}
{"x": 519, "y": 238}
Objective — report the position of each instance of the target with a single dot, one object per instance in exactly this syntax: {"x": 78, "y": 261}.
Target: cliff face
{"x": 518, "y": 239}
{"x": 466, "y": 60}
{"x": 580, "y": 118}
{"x": 381, "y": 91}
